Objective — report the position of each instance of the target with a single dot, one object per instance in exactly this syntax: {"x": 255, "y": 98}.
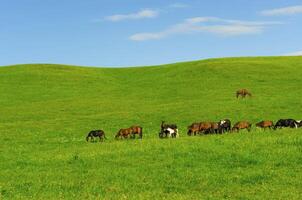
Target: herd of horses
{"x": 200, "y": 128}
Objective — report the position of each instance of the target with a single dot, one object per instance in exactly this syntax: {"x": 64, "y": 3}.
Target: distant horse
{"x": 243, "y": 93}
{"x": 168, "y": 130}
{"x": 291, "y": 123}
{"x": 193, "y": 129}
{"x": 242, "y": 125}
{"x": 214, "y": 127}
{"x": 124, "y": 133}
{"x": 137, "y": 130}
{"x": 265, "y": 124}
{"x": 205, "y": 127}
{"x": 224, "y": 126}
{"x": 96, "y": 133}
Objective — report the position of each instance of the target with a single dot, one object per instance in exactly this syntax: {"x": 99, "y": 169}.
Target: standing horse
{"x": 243, "y": 93}
{"x": 193, "y": 129}
{"x": 224, "y": 126}
{"x": 137, "y": 130}
{"x": 168, "y": 130}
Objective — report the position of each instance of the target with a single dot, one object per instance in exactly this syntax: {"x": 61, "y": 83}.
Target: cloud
{"x": 292, "y": 10}
{"x": 213, "y": 25}
{"x": 145, "y": 13}
{"x": 179, "y": 5}
{"x": 297, "y": 53}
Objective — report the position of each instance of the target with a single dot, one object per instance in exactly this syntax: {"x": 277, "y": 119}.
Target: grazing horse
{"x": 265, "y": 124}
{"x": 243, "y": 93}
{"x": 205, "y": 127}
{"x": 96, "y": 133}
{"x": 124, "y": 133}
{"x": 168, "y": 130}
{"x": 214, "y": 127}
{"x": 193, "y": 129}
{"x": 242, "y": 125}
{"x": 224, "y": 126}
{"x": 291, "y": 123}
{"x": 137, "y": 130}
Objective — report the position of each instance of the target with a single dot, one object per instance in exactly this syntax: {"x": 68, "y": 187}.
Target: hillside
{"x": 47, "y": 110}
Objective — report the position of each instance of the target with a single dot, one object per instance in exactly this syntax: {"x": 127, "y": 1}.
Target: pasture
{"x": 47, "y": 111}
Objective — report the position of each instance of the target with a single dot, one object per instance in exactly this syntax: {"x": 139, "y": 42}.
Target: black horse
{"x": 96, "y": 133}
{"x": 291, "y": 123}
{"x": 224, "y": 126}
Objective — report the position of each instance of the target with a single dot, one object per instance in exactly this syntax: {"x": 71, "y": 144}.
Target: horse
{"x": 137, "y": 130}
{"x": 96, "y": 133}
{"x": 291, "y": 123}
{"x": 243, "y": 93}
{"x": 224, "y": 126}
{"x": 124, "y": 133}
{"x": 193, "y": 129}
{"x": 214, "y": 127}
{"x": 242, "y": 125}
{"x": 168, "y": 130}
{"x": 265, "y": 124}
{"x": 205, "y": 127}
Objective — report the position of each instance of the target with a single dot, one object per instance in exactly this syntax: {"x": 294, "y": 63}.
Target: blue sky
{"x": 140, "y": 32}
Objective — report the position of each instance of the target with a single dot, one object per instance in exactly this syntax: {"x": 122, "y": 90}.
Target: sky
{"x": 122, "y": 33}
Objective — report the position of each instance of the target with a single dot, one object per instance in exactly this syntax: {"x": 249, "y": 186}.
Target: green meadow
{"x": 47, "y": 110}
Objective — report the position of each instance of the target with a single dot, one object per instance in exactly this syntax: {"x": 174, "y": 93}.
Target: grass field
{"x": 47, "y": 110}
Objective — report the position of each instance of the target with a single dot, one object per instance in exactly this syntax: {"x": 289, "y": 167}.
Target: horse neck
{"x": 162, "y": 124}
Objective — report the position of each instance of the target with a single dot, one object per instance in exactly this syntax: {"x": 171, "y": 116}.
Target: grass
{"x": 47, "y": 110}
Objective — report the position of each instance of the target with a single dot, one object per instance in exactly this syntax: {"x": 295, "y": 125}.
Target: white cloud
{"x": 145, "y": 13}
{"x": 297, "y": 53}
{"x": 179, "y": 5}
{"x": 283, "y": 11}
{"x": 212, "y": 25}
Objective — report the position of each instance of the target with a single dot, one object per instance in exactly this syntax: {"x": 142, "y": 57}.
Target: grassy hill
{"x": 47, "y": 110}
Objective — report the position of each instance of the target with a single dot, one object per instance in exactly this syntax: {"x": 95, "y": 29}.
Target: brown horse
{"x": 205, "y": 127}
{"x": 243, "y": 93}
{"x": 137, "y": 130}
{"x": 124, "y": 133}
{"x": 193, "y": 129}
{"x": 242, "y": 125}
{"x": 265, "y": 124}
{"x": 214, "y": 127}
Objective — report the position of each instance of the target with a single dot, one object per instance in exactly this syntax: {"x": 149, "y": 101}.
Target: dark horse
{"x": 96, "y": 133}
{"x": 243, "y": 93}
{"x": 224, "y": 126}
{"x": 291, "y": 123}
